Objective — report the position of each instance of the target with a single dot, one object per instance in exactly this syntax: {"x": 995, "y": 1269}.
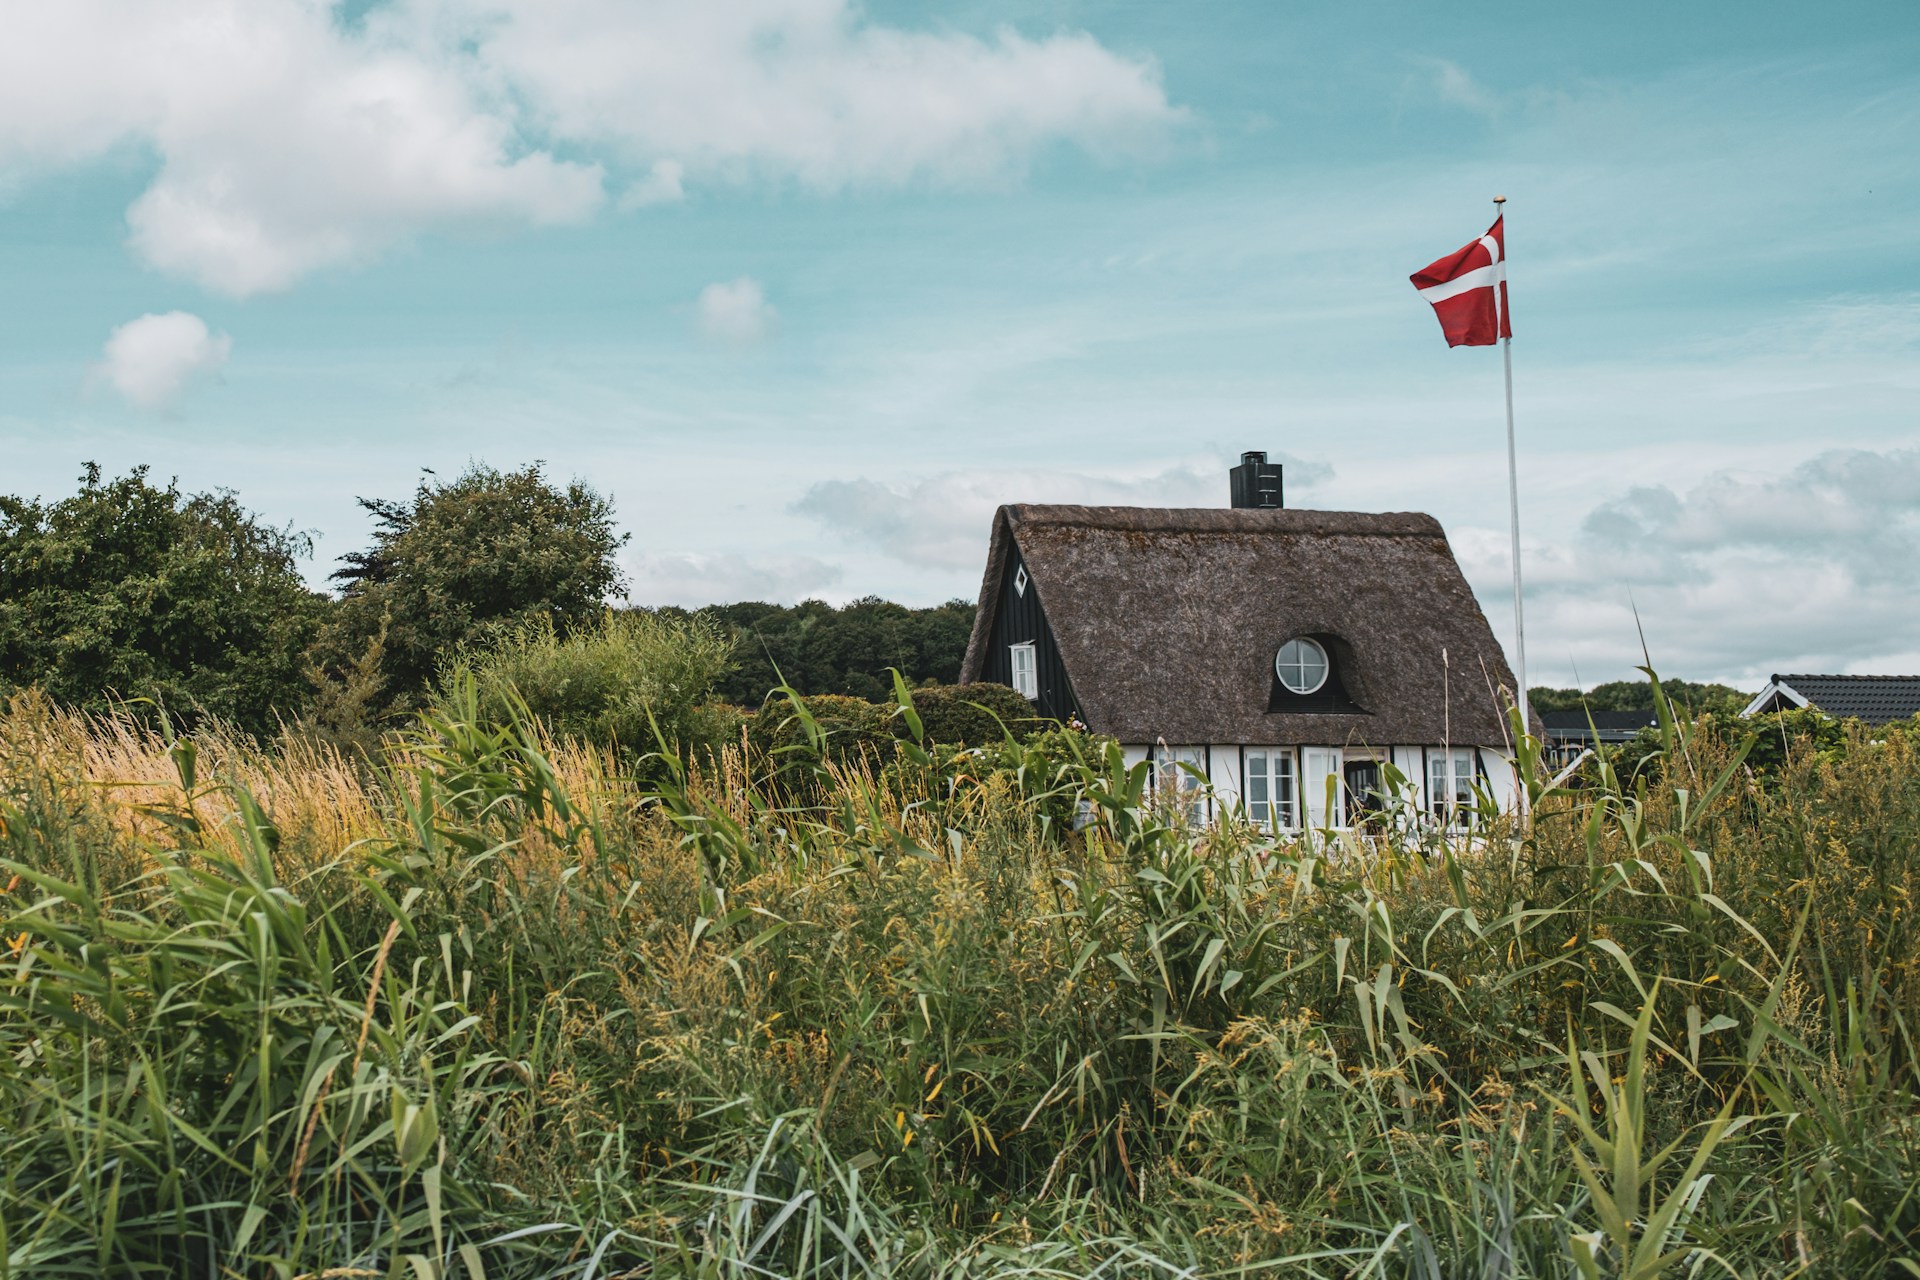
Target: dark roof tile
{"x": 1874, "y": 699}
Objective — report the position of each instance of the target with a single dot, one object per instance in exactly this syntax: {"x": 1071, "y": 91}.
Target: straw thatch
{"x": 1168, "y": 622}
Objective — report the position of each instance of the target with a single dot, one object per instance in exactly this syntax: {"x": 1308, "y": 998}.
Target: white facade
{"x": 1286, "y": 787}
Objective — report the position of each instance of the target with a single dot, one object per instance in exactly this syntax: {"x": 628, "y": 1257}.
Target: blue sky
{"x": 808, "y": 287}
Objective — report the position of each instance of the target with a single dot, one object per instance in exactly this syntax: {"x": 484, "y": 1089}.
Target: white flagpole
{"x": 1513, "y": 499}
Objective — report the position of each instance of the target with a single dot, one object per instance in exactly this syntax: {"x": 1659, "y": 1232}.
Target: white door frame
{"x": 1317, "y": 764}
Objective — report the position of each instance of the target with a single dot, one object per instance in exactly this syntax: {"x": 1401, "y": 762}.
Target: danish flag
{"x": 1468, "y": 290}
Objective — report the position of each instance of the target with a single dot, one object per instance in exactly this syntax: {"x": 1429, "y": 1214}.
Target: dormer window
{"x": 1301, "y": 665}
{"x": 1020, "y": 581}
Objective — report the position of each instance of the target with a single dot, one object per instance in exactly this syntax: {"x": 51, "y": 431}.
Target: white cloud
{"x": 736, "y": 311}
{"x": 151, "y": 361}
{"x": 943, "y": 521}
{"x": 1737, "y": 576}
{"x": 288, "y": 140}
{"x": 809, "y": 89}
{"x": 285, "y": 143}
{"x": 692, "y": 579}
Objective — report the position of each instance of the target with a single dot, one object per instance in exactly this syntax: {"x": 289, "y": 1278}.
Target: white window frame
{"x": 1280, "y": 666}
{"x": 1317, "y": 764}
{"x": 1270, "y": 788}
{"x": 1024, "y": 664}
{"x": 1176, "y": 785}
{"x": 1452, "y": 774}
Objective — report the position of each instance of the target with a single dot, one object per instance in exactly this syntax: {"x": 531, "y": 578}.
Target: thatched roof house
{"x": 1323, "y": 642}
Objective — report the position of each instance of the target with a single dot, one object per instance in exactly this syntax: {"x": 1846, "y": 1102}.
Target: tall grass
{"x": 497, "y": 1008}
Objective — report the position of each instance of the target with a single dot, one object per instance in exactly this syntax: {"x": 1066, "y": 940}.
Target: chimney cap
{"x": 1254, "y": 455}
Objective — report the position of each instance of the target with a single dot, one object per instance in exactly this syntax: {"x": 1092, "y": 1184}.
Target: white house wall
{"x": 1501, "y": 783}
{"x": 1225, "y": 775}
{"x": 1412, "y": 761}
{"x": 1224, "y": 772}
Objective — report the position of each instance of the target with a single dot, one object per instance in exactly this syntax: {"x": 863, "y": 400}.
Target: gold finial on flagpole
{"x": 1499, "y": 199}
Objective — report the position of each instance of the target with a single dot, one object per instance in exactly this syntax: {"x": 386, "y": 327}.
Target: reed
{"x": 505, "y": 1005}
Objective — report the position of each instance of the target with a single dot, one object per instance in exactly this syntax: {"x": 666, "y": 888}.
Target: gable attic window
{"x": 1026, "y": 672}
{"x": 1020, "y": 581}
{"x": 1301, "y": 665}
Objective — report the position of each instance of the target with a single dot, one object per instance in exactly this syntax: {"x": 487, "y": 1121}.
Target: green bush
{"x": 974, "y": 715}
{"x": 608, "y": 683}
{"x": 843, "y": 730}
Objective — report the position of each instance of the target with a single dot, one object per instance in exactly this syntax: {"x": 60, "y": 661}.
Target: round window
{"x": 1301, "y": 665}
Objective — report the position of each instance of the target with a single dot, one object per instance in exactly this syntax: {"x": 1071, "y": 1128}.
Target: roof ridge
{"x": 1401, "y": 524}
{"x": 1811, "y": 675}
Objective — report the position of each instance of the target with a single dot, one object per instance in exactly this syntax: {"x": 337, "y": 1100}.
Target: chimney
{"x": 1256, "y": 482}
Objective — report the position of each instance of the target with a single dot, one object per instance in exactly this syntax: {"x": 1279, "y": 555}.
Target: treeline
{"x": 1637, "y": 695}
{"x": 816, "y": 648}
{"x": 132, "y": 592}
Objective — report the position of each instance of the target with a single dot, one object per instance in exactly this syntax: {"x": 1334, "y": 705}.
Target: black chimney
{"x": 1256, "y": 482}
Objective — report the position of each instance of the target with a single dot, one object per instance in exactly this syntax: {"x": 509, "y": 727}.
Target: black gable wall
{"x": 1019, "y": 619}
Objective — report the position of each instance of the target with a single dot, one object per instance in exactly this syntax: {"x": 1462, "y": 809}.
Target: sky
{"x": 809, "y": 287}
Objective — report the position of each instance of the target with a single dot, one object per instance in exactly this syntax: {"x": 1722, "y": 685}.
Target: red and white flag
{"x": 1468, "y": 290}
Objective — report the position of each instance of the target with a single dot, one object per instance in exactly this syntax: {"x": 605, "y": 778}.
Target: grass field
{"x": 493, "y": 1009}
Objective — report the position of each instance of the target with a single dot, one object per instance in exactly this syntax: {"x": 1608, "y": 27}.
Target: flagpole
{"x": 1513, "y": 503}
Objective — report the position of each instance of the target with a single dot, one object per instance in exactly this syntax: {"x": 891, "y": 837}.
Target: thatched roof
{"x": 1168, "y": 621}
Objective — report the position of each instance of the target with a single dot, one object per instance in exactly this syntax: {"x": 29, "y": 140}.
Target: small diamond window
{"x": 1020, "y": 581}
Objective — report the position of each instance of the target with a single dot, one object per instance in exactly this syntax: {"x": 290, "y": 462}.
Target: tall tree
{"x": 126, "y": 591}
{"x": 464, "y": 561}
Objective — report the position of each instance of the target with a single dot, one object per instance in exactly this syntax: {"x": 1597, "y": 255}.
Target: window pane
{"x": 1301, "y": 665}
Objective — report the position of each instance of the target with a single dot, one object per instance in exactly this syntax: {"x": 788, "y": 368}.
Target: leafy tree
{"x": 126, "y": 590}
{"x": 1637, "y": 695}
{"x": 465, "y": 562}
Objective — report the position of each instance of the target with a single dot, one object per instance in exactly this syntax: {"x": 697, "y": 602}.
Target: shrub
{"x": 601, "y": 683}
{"x": 845, "y": 729}
{"x": 974, "y": 715}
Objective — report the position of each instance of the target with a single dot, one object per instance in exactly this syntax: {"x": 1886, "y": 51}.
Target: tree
{"x": 130, "y": 591}
{"x": 467, "y": 561}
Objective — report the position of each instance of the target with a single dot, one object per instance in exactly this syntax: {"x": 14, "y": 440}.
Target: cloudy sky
{"x": 810, "y": 286}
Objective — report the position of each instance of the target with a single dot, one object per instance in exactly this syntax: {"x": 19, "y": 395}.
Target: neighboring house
{"x": 1568, "y": 733}
{"x": 1282, "y": 655}
{"x": 1874, "y": 699}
